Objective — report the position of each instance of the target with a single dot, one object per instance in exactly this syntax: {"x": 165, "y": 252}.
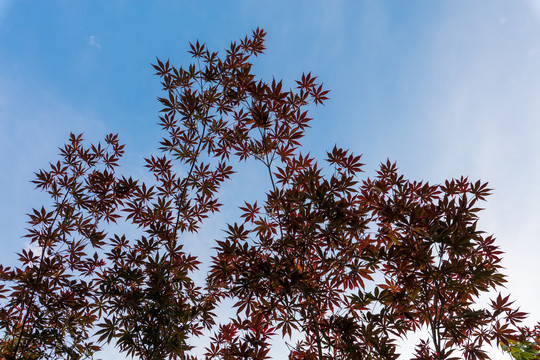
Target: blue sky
{"x": 445, "y": 88}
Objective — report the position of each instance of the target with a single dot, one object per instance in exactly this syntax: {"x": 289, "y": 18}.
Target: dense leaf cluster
{"x": 347, "y": 267}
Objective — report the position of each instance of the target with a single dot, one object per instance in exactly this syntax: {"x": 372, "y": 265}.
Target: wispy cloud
{"x": 4, "y": 8}
{"x": 488, "y": 128}
{"x": 92, "y": 41}
{"x": 29, "y": 135}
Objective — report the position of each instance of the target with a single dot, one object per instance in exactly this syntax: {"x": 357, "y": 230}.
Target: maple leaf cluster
{"x": 348, "y": 267}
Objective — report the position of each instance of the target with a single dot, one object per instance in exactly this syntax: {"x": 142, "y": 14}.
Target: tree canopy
{"x": 348, "y": 265}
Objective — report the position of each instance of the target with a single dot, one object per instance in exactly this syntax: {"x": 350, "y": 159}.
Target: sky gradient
{"x": 444, "y": 88}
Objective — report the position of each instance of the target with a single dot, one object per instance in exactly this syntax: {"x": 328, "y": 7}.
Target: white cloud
{"x": 35, "y": 248}
{"x": 92, "y": 41}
